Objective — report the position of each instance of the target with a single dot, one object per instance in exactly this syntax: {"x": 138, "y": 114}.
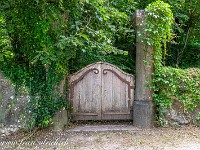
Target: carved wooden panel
{"x": 101, "y": 91}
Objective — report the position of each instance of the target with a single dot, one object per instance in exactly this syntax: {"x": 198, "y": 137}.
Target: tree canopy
{"x": 83, "y": 31}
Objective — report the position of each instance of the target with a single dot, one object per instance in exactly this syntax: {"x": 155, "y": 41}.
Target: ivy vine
{"x": 169, "y": 84}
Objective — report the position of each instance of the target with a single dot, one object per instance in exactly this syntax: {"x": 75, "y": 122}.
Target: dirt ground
{"x": 180, "y": 138}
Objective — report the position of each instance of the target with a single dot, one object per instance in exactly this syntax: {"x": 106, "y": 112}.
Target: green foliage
{"x": 5, "y": 44}
{"x": 178, "y": 84}
{"x": 184, "y": 50}
{"x": 159, "y": 28}
{"x": 98, "y": 29}
{"x": 198, "y": 117}
{"x": 169, "y": 83}
{"x": 39, "y": 62}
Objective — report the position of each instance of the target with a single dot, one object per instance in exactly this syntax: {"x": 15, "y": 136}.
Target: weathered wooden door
{"x": 101, "y": 91}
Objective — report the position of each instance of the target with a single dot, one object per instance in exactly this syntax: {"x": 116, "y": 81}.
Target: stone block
{"x": 143, "y": 114}
{"x": 60, "y": 120}
{"x": 12, "y": 104}
{"x": 178, "y": 115}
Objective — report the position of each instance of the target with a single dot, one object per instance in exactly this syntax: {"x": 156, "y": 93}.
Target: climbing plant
{"x": 169, "y": 83}
{"x": 37, "y": 60}
{"x": 184, "y": 51}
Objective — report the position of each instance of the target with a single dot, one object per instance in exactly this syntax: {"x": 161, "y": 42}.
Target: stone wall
{"x": 177, "y": 115}
{"x": 12, "y": 105}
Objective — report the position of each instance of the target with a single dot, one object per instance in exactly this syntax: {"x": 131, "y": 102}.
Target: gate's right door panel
{"x": 117, "y": 89}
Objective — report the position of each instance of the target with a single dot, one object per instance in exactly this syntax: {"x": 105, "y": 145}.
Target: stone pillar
{"x": 143, "y": 102}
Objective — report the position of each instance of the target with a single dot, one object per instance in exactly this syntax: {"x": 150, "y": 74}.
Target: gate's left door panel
{"x": 86, "y": 90}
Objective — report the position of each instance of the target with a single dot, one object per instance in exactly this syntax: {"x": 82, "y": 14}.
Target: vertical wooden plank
{"x": 97, "y": 91}
{"x": 124, "y": 98}
{"x": 107, "y": 101}
{"x": 117, "y": 100}
{"x": 132, "y": 83}
{"x": 86, "y": 93}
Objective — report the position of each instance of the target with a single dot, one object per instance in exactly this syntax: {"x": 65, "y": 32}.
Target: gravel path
{"x": 93, "y": 137}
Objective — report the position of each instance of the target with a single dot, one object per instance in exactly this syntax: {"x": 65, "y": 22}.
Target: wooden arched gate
{"x": 101, "y": 91}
